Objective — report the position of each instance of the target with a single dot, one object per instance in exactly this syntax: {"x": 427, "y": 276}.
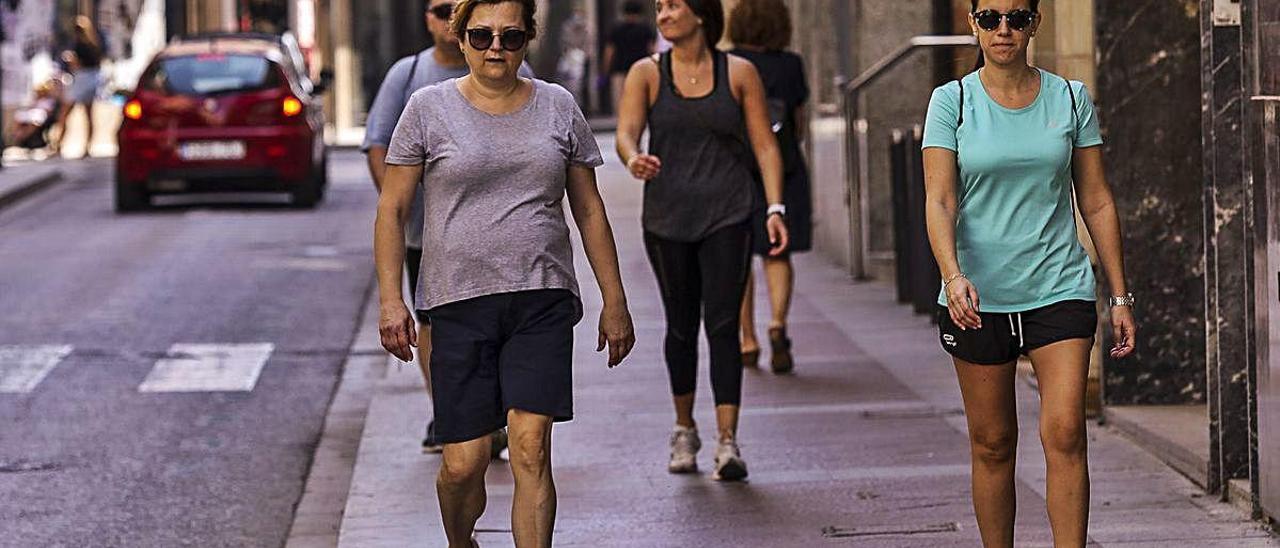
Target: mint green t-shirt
{"x": 1015, "y": 229}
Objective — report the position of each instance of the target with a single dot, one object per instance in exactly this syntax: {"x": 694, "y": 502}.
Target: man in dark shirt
{"x": 631, "y": 40}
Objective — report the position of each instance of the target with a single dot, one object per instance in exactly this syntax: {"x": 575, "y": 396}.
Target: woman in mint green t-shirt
{"x": 1004, "y": 149}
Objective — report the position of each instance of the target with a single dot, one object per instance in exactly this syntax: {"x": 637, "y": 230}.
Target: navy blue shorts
{"x": 1004, "y": 337}
{"x": 500, "y": 352}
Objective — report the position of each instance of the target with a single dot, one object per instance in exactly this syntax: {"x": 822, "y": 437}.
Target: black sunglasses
{"x": 510, "y": 39}
{"x": 442, "y": 12}
{"x": 1019, "y": 20}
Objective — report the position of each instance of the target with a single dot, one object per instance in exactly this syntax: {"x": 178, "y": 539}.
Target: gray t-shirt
{"x": 494, "y": 190}
{"x": 392, "y": 97}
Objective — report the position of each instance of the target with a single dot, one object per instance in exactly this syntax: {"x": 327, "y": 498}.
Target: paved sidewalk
{"x": 22, "y": 180}
{"x": 25, "y": 173}
{"x": 863, "y": 446}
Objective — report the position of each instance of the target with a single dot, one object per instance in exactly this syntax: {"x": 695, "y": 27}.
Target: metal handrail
{"x": 856, "y": 146}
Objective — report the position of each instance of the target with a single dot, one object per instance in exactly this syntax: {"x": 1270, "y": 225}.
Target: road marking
{"x": 208, "y": 368}
{"x": 23, "y": 367}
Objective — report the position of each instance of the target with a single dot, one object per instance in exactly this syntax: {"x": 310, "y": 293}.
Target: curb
{"x": 1177, "y": 457}
{"x": 36, "y": 184}
{"x": 318, "y": 514}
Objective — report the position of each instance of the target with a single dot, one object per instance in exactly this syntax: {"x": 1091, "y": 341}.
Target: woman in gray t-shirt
{"x": 496, "y": 154}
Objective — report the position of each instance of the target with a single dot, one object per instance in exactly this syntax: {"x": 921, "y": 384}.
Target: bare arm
{"x": 377, "y": 158}
{"x": 940, "y": 212}
{"x": 633, "y": 116}
{"x": 396, "y": 325}
{"x": 765, "y": 145}
{"x": 597, "y": 240}
{"x": 1098, "y": 209}
{"x": 606, "y": 60}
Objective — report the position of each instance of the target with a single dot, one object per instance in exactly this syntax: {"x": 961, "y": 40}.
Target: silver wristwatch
{"x": 1126, "y": 300}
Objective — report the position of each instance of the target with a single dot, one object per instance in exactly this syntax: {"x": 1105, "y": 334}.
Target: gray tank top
{"x": 706, "y": 182}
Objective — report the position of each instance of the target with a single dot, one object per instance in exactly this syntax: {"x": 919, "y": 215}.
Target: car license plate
{"x": 212, "y": 150}
{"x": 168, "y": 185}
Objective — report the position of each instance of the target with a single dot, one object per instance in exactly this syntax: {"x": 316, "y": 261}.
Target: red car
{"x": 224, "y": 112}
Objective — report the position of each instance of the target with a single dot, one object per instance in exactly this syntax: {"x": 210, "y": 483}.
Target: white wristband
{"x": 780, "y": 209}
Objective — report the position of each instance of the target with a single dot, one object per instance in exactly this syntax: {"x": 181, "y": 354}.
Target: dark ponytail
{"x": 982, "y": 59}
{"x": 712, "y": 14}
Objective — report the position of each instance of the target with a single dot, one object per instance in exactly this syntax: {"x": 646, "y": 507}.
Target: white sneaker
{"x": 729, "y": 464}
{"x": 684, "y": 450}
{"x": 498, "y": 449}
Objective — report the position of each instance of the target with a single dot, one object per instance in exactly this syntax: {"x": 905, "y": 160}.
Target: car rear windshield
{"x": 212, "y": 73}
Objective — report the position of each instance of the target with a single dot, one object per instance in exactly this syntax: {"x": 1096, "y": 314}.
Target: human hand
{"x": 962, "y": 303}
{"x": 1124, "y": 332}
{"x": 616, "y": 332}
{"x": 779, "y": 236}
{"x": 644, "y": 166}
{"x": 398, "y": 331}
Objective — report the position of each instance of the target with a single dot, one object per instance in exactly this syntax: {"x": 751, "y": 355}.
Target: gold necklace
{"x": 693, "y": 80}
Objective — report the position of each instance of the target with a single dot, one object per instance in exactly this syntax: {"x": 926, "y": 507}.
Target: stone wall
{"x": 839, "y": 39}
{"x": 1150, "y": 107}
{"x": 899, "y": 100}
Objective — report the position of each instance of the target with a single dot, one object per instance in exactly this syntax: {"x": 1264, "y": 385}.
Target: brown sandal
{"x": 751, "y": 358}
{"x": 780, "y": 361}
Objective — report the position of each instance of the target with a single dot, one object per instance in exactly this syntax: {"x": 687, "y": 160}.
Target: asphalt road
{"x": 110, "y": 435}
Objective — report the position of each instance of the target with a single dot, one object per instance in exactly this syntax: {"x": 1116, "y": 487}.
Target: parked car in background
{"x": 233, "y": 112}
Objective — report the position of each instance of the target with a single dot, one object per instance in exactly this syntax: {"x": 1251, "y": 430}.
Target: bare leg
{"x": 64, "y": 112}
{"x": 1063, "y": 369}
{"x": 990, "y": 410}
{"x": 749, "y": 342}
{"x": 684, "y": 410}
{"x": 88, "y": 138}
{"x": 727, "y": 421}
{"x": 19, "y": 133}
{"x": 533, "y": 510}
{"x": 781, "y": 279}
{"x": 460, "y": 488}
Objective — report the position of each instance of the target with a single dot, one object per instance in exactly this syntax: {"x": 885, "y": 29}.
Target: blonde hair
{"x": 464, "y": 8}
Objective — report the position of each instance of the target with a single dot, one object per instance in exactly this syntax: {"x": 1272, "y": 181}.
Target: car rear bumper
{"x": 275, "y": 160}
{"x": 216, "y": 179}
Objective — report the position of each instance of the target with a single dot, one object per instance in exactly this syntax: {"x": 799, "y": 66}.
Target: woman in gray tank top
{"x": 709, "y": 137}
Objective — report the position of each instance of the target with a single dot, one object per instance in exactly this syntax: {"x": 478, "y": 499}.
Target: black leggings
{"x": 710, "y": 273}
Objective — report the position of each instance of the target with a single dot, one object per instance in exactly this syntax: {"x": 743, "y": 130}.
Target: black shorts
{"x": 500, "y": 352}
{"x": 412, "y": 262}
{"x": 1004, "y": 337}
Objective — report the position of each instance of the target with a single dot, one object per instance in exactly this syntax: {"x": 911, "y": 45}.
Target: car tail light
{"x": 133, "y": 110}
{"x": 292, "y": 106}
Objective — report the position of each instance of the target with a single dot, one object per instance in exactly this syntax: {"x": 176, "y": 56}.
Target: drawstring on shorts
{"x": 1017, "y": 330}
